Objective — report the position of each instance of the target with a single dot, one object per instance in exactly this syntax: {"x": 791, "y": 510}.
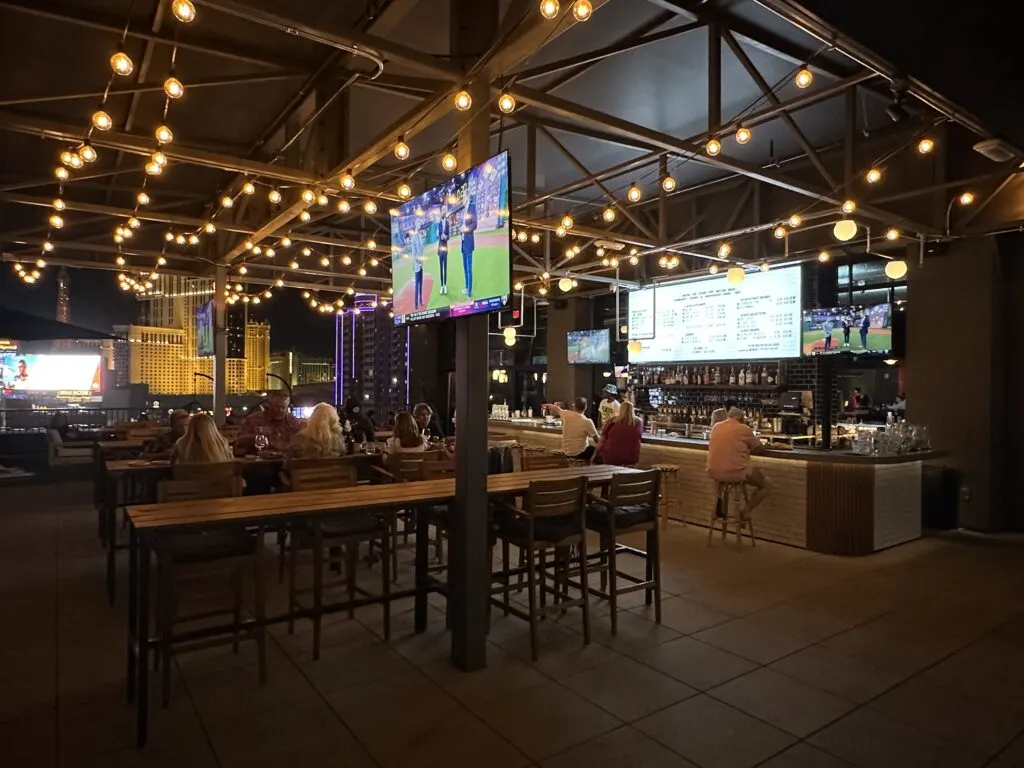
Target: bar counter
{"x": 833, "y": 502}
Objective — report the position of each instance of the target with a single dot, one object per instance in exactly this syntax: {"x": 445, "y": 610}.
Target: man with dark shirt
{"x": 468, "y": 244}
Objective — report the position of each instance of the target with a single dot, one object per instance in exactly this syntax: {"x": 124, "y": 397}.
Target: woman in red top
{"x": 620, "y": 438}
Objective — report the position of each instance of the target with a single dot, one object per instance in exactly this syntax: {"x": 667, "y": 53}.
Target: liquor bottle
{"x": 686, "y": 376}
{"x": 750, "y": 376}
{"x": 764, "y": 374}
{"x": 718, "y": 375}
{"x": 741, "y": 380}
{"x": 732, "y": 376}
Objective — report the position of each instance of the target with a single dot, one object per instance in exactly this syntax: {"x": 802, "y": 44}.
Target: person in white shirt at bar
{"x": 577, "y": 430}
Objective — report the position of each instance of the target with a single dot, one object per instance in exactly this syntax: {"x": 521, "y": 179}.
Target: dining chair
{"x": 630, "y": 506}
{"x": 188, "y": 554}
{"x": 551, "y": 519}
{"x": 334, "y": 542}
{"x": 533, "y": 462}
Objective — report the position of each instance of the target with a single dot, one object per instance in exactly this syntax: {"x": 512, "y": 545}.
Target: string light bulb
{"x": 101, "y": 121}
{"x": 56, "y": 221}
{"x": 134, "y": 223}
{"x": 608, "y": 214}
{"x": 463, "y": 101}
{"x": 48, "y": 246}
{"x": 274, "y": 196}
{"x": 87, "y": 152}
{"x": 449, "y": 162}
{"x": 58, "y": 205}
{"x": 567, "y": 221}
{"x": 892, "y": 234}
{"x": 164, "y": 134}
{"x": 713, "y": 269}
{"x": 535, "y": 238}
{"x": 248, "y": 188}
{"x": 374, "y": 261}
{"x": 173, "y": 88}
{"x": 61, "y": 173}
{"x": 184, "y": 11}
{"x": 560, "y": 231}
{"x": 925, "y": 145}
{"x": 873, "y": 176}
{"x": 180, "y": 239}
{"x": 724, "y": 250}
{"x": 370, "y": 207}
{"x": 154, "y": 169}
{"x": 371, "y": 244}
{"x": 795, "y": 220}
{"x": 322, "y": 199}
{"x": 506, "y": 103}
{"x": 668, "y": 183}
{"x": 824, "y": 257}
{"x": 966, "y": 198}
{"x": 344, "y": 206}
{"x": 307, "y": 251}
{"x": 404, "y": 191}
{"x": 713, "y": 147}
{"x": 402, "y": 150}
{"x": 549, "y": 8}
{"x": 308, "y": 196}
{"x": 803, "y": 78}
{"x": 347, "y": 180}
{"x": 582, "y": 10}
{"x": 780, "y": 232}
{"x": 159, "y": 158}
{"x": 209, "y": 227}
{"x": 305, "y": 216}
{"x": 122, "y": 64}
{"x": 227, "y": 201}
{"x": 849, "y": 206}
{"x": 896, "y": 269}
{"x": 633, "y": 194}
{"x": 142, "y": 198}
{"x": 743, "y": 135}
{"x": 347, "y": 260}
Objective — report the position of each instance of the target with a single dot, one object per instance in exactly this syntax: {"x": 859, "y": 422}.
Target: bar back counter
{"x": 833, "y": 502}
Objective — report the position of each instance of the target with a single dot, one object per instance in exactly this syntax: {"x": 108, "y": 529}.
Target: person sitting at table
{"x": 274, "y": 421}
{"x": 164, "y": 444}
{"x": 359, "y": 423}
{"x": 620, "y": 438}
{"x": 406, "y": 438}
{"x": 321, "y": 437}
{"x": 426, "y": 419}
{"x": 721, "y": 414}
{"x": 202, "y": 443}
{"x": 576, "y": 429}
{"x": 729, "y": 451}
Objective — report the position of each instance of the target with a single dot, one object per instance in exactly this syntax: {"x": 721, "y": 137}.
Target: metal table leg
{"x": 422, "y": 557}
{"x": 133, "y": 607}
{"x": 142, "y": 635}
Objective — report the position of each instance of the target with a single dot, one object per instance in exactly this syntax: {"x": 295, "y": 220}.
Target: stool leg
{"x": 531, "y": 585}
{"x": 711, "y": 522}
{"x": 725, "y": 514}
{"x": 259, "y": 598}
{"x": 613, "y": 581}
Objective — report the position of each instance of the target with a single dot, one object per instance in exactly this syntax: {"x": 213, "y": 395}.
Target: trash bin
{"x": 940, "y": 497}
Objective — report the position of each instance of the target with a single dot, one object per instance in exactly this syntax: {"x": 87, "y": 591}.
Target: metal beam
{"x": 597, "y": 182}
{"x": 775, "y": 101}
{"x": 216, "y": 82}
{"x": 114, "y": 25}
{"x": 618, "y": 169}
{"x": 714, "y": 77}
{"x": 633, "y": 41}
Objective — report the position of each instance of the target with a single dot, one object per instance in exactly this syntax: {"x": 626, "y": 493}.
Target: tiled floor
{"x": 769, "y": 656}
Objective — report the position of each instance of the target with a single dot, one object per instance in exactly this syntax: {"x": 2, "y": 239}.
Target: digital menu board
{"x": 712, "y": 319}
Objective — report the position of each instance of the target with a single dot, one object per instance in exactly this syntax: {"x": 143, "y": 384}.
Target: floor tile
{"x": 685, "y": 616}
{"x": 789, "y": 704}
{"x": 628, "y": 689}
{"x": 504, "y": 675}
{"x": 837, "y": 673}
{"x": 713, "y": 734}
{"x": 805, "y": 756}
{"x": 560, "y": 650}
{"x": 751, "y": 641}
{"x": 788, "y": 619}
{"x": 546, "y": 719}
{"x": 635, "y": 634}
{"x": 870, "y": 740}
{"x": 622, "y": 748}
{"x": 952, "y": 715}
{"x": 697, "y": 664}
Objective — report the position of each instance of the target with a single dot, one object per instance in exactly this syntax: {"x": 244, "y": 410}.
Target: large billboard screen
{"x": 451, "y": 246}
{"x": 712, "y": 319}
{"x": 204, "y": 330}
{"x": 49, "y": 373}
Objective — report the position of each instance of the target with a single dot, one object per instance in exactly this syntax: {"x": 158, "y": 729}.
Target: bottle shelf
{"x": 721, "y": 387}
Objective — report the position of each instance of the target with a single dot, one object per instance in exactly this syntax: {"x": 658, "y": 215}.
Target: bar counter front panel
{"x": 826, "y": 501}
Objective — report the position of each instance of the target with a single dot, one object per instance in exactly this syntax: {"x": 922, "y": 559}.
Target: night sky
{"x": 97, "y": 303}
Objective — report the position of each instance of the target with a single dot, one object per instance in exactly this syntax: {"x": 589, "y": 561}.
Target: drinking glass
{"x": 261, "y": 441}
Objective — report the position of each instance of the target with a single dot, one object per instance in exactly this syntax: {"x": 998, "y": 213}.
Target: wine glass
{"x": 262, "y": 442}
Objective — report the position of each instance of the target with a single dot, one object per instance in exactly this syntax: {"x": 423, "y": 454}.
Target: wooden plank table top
{"x": 154, "y": 517}
{"x": 115, "y": 466}
{"x": 114, "y": 445}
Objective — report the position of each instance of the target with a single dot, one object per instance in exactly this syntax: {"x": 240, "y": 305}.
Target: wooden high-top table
{"x": 148, "y": 522}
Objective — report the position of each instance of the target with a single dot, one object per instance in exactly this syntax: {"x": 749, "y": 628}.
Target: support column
{"x": 220, "y": 344}
{"x": 474, "y": 23}
{"x": 714, "y": 78}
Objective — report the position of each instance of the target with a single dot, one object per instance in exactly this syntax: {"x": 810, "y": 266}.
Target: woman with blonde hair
{"x": 407, "y": 437}
{"x": 202, "y": 443}
{"x": 620, "y": 438}
{"x": 321, "y": 437}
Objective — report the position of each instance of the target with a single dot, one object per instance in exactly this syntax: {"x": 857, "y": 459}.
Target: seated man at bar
{"x": 729, "y": 451}
{"x": 721, "y": 414}
{"x": 577, "y": 429}
{"x": 274, "y": 421}
{"x": 164, "y": 444}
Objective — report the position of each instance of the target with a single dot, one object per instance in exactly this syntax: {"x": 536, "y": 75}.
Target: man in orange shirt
{"x": 729, "y": 451}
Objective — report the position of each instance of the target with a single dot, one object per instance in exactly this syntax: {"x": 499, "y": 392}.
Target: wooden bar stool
{"x": 671, "y": 496}
{"x": 724, "y": 492}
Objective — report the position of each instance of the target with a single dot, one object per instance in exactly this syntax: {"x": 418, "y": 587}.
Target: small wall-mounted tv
{"x": 589, "y": 347}
{"x": 451, "y": 247}
{"x": 847, "y": 330}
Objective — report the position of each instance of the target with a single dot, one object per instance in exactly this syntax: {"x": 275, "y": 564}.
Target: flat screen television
{"x": 711, "y": 319}
{"x": 589, "y": 347}
{"x": 451, "y": 247}
{"x": 204, "y": 330}
{"x": 848, "y": 330}
{"x": 49, "y": 373}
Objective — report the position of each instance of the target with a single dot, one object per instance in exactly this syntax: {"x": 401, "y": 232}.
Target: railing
{"x": 22, "y": 419}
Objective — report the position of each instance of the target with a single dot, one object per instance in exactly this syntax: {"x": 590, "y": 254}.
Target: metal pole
{"x": 220, "y": 346}
{"x": 714, "y": 77}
